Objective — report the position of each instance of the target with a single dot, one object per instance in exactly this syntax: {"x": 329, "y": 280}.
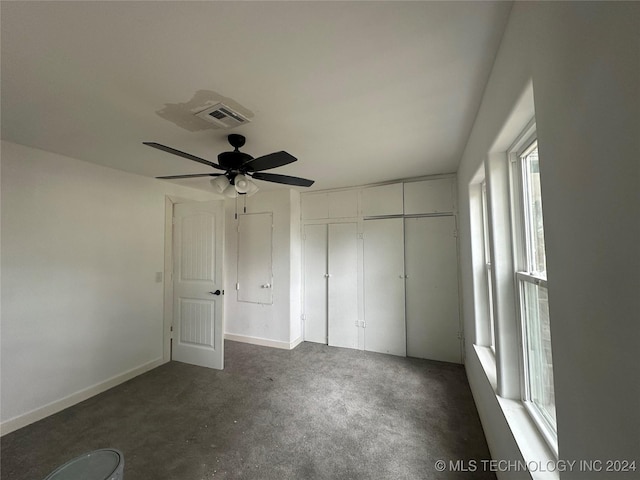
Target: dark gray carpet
{"x": 315, "y": 412}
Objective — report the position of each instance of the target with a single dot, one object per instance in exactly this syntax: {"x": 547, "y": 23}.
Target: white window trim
{"x": 490, "y": 289}
{"x": 523, "y": 143}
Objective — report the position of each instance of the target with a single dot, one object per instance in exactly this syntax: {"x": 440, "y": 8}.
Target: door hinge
{"x": 237, "y": 286}
{"x": 171, "y": 328}
{"x": 455, "y": 234}
{"x": 460, "y": 336}
{"x": 303, "y": 317}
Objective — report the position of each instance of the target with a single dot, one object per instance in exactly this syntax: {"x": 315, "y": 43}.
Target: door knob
{"x": 217, "y": 292}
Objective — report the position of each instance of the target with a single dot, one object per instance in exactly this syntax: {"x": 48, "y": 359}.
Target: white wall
{"x": 583, "y": 62}
{"x": 81, "y": 310}
{"x": 277, "y": 324}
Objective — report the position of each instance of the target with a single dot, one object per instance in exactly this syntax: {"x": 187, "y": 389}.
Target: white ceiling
{"x": 359, "y": 92}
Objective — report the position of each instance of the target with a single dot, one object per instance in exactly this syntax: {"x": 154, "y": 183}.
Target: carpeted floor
{"x": 315, "y": 412}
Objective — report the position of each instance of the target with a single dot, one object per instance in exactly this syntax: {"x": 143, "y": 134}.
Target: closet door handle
{"x": 217, "y": 292}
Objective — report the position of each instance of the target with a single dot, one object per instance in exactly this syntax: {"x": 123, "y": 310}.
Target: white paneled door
{"x": 331, "y": 284}
{"x": 384, "y": 299}
{"x": 315, "y": 283}
{"x": 198, "y": 284}
{"x": 433, "y": 323}
{"x": 343, "y": 285}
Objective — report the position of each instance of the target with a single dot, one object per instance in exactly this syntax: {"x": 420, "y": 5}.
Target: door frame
{"x": 167, "y": 314}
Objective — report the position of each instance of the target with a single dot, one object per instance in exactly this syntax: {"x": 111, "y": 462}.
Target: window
{"x": 531, "y": 287}
{"x": 487, "y": 265}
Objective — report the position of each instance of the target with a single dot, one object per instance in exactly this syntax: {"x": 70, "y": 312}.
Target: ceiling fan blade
{"x": 286, "y": 179}
{"x": 193, "y": 175}
{"x": 164, "y": 148}
{"x": 272, "y": 160}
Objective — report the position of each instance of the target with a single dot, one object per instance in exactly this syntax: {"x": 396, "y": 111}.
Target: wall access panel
{"x": 255, "y": 267}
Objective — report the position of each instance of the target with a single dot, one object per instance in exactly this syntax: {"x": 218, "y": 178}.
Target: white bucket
{"x": 104, "y": 464}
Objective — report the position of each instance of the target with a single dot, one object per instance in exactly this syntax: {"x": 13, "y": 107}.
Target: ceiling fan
{"x": 239, "y": 168}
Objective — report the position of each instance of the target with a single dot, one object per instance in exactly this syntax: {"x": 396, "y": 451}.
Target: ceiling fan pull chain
{"x": 236, "y": 207}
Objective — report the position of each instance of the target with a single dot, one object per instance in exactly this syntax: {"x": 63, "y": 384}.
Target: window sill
{"x": 488, "y": 361}
{"x": 537, "y": 455}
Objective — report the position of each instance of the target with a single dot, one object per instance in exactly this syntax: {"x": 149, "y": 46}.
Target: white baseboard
{"x": 25, "y": 419}
{"x": 296, "y": 342}
{"x": 263, "y": 341}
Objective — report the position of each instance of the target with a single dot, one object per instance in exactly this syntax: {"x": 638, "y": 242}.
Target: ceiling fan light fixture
{"x": 242, "y": 183}
{"x": 230, "y": 191}
{"x": 220, "y": 183}
{"x": 253, "y": 188}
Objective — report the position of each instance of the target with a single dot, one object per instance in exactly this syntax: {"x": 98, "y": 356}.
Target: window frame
{"x": 523, "y": 275}
{"x": 486, "y": 237}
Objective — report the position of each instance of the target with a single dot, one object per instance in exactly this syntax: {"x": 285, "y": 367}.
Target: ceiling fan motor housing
{"x": 233, "y": 160}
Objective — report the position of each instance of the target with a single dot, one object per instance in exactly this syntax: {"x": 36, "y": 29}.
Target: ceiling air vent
{"x": 223, "y": 116}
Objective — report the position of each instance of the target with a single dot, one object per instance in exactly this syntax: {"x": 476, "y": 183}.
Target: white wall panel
{"x": 580, "y": 61}
{"x": 90, "y": 241}
{"x": 259, "y": 322}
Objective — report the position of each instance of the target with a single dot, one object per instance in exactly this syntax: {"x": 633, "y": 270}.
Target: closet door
{"x": 384, "y": 286}
{"x": 315, "y": 283}
{"x": 433, "y": 322}
{"x": 343, "y": 285}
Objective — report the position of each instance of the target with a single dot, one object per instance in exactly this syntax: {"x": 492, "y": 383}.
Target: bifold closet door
{"x": 343, "y": 285}
{"x": 384, "y": 286}
{"x": 315, "y": 283}
{"x": 433, "y": 322}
